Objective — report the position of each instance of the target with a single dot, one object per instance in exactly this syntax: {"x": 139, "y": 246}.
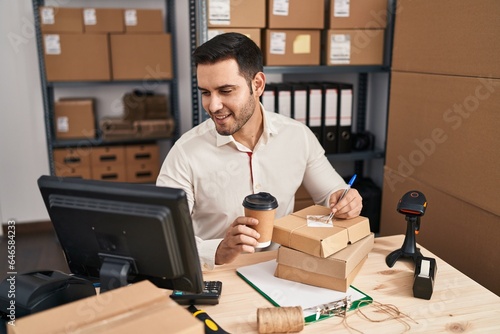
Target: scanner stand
{"x": 115, "y": 271}
{"x": 409, "y": 248}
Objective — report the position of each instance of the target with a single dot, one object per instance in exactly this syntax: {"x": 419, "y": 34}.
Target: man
{"x": 242, "y": 150}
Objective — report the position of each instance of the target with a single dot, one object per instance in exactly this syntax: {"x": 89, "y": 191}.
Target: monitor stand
{"x": 115, "y": 271}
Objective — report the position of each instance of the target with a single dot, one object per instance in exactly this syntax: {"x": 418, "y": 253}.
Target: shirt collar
{"x": 269, "y": 129}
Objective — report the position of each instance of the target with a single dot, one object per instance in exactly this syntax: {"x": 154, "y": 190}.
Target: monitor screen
{"x": 120, "y": 233}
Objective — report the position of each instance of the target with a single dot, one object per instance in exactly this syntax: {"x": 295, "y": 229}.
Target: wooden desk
{"x": 458, "y": 304}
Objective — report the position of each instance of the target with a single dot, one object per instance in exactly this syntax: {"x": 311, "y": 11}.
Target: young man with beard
{"x": 243, "y": 149}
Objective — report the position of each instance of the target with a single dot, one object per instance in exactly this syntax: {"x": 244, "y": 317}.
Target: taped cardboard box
{"x": 292, "y": 47}
{"x": 292, "y": 231}
{"x": 236, "y": 13}
{"x": 361, "y": 14}
{"x": 338, "y": 265}
{"x": 103, "y": 20}
{"x": 315, "y": 279}
{"x": 296, "y": 14}
{"x": 137, "y": 308}
{"x": 354, "y": 47}
{"x": 143, "y": 21}
{"x": 74, "y": 119}
{"x": 61, "y": 20}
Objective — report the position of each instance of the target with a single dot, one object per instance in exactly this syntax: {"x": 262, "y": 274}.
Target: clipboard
{"x": 281, "y": 292}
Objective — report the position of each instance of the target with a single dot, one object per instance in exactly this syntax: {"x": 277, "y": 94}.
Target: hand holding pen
{"x": 349, "y": 185}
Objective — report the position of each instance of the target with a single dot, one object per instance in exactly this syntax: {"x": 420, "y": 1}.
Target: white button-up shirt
{"x": 216, "y": 172}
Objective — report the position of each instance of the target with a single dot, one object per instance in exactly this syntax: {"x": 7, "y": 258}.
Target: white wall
{"x": 23, "y": 147}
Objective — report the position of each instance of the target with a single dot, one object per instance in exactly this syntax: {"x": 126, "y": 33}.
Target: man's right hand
{"x": 239, "y": 238}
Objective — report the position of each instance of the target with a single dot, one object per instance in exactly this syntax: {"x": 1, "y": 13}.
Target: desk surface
{"x": 458, "y": 304}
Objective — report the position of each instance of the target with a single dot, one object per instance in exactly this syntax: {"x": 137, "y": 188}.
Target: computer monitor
{"x": 120, "y": 233}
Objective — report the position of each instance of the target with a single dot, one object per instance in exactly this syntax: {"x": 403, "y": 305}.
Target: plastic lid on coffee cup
{"x": 260, "y": 201}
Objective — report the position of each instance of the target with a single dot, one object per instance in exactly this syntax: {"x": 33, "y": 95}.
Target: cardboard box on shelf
{"x": 358, "y": 14}
{"x": 143, "y": 172}
{"x": 338, "y": 265}
{"x": 108, "y": 156}
{"x": 292, "y": 47}
{"x": 103, "y": 20}
{"x": 74, "y": 119}
{"x": 454, "y": 40}
{"x": 315, "y": 279}
{"x": 253, "y": 33}
{"x": 111, "y": 172}
{"x": 354, "y": 47}
{"x": 236, "y": 14}
{"x": 61, "y": 20}
{"x": 141, "y": 56}
{"x": 296, "y": 14}
{"x": 140, "y": 21}
{"x": 142, "y": 153}
{"x": 459, "y": 232}
{"x": 76, "y": 57}
{"x": 74, "y": 172}
{"x": 155, "y": 128}
{"x": 292, "y": 231}
{"x": 140, "y": 307}
{"x": 116, "y": 128}
{"x": 72, "y": 157}
{"x": 444, "y": 130}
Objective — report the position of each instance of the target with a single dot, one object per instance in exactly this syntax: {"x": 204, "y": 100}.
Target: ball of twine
{"x": 280, "y": 320}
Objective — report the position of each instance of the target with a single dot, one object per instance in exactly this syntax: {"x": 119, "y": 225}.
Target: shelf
{"x": 94, "y": 83}
{"x": 323, "y": 69}
{"x": 88, "y": 142}
{"x": 356, "y": 156}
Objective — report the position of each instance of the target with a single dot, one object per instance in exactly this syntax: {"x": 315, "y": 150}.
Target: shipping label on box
{"x": 296, "y": 14}
{"x": 292, "y": 231}
{"x": 355, "y": 47}
{"x": 338, "y": 265}
{"x": 143, "y": 21}
{"x": 360, "y": 14}
{"x": 103, "y": 20}
{"x": 315, "y": 279}
{"x": 236, "y": 13}
{"x": 292, "y": 47}
{"x": 61, "y": 20}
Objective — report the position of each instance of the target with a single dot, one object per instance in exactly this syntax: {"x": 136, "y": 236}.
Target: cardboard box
{"x": 292, "y": 231}
{"x": 315, "y": 279}
{"x": 141, "y": 56}
{"x": 155, "y": 128}
{"x": 74, "y": 119}
{"x": 72, "y": 156}
{"x": 74, "y": 172}
{"x": 103, "y": 20}
{"x": 252, "y": 33}
{"x": 140, "y": 307}
{"x": 140, "y": 21}
{"x": 296, "y": 14}
{"x": 143, "y": 172}
{"x": 338, "y": 265}
{"x": 452, "y": 39}
{"x": 142, "y": 153}
{"x": 459, "y": 232}
{"x": 443, "y": 130}
{"x": 354, "y": 47}
{"x": 237, "y": 14}
{"x": 358, "y": 14}
{"x": 117, "y": 129}
{"x": 61, "y": 20}
{"x": 76, "y": 57}
{"x": 302, "y": 199}
{"x": 292, "y": 47}
{"x": 112, "y": 172}
{"x": 107, "y": 155}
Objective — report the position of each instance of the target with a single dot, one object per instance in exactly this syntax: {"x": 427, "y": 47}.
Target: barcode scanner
{"x": 412, "y": 205}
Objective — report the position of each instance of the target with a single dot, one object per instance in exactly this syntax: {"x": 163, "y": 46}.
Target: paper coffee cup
{"x": 262, "y": 206}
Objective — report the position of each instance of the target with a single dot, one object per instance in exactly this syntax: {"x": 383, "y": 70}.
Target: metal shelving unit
{"x": 48, "y": 89}
{"x": 199, "y": 34}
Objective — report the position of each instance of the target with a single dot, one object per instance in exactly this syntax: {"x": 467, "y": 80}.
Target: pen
{"x": 349, "y": 185}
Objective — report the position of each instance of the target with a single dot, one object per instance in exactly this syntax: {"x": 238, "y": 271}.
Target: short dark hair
{"x": 232, "y": 46}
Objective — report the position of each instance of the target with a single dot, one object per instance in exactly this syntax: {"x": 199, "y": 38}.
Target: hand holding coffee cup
{"x": 262, "y": 206}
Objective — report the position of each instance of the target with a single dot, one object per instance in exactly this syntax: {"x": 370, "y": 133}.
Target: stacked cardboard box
{"x": 326, "y": 256}
{"x": 102, "y": 44}
{"x": 246, "y": 17}
{"x": 443, "y": 131}
{"x": 122, "y": 163}
{"x": 74, "y": 119}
